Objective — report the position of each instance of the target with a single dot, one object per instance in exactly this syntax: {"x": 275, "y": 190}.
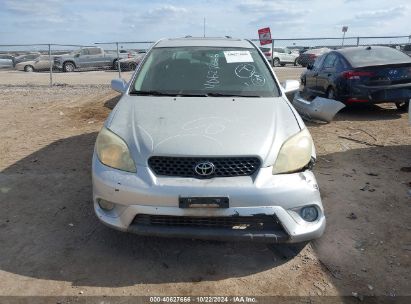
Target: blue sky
{"x": 89, "y": 21}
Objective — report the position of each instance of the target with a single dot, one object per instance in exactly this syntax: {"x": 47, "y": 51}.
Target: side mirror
{"x": 77, "y": 55}
{"x": 310, "y": 66}
{"x": 119, "y": 85}
{"x": 291, "y": 86}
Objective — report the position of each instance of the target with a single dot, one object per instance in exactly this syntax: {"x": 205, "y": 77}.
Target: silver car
{"x": 41, "y": 63}
{"x": 204, "y": 144}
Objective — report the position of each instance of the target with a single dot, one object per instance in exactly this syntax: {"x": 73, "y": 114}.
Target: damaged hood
{"x": 211, "y": 126}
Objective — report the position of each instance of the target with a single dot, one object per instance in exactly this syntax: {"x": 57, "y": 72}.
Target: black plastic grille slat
{"x": 258, "y": 222}
{"x": 184, "y": 166}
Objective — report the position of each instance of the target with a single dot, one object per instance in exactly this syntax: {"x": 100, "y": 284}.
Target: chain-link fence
{"x": 58, "y": 64}
{"x": 98, "y": 63}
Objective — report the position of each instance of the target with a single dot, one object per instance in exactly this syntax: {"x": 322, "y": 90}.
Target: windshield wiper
{"x": 159, "y": 93}
{"x": 213, "y": 94}
{"x": 152, "y": 93}
{"x": 190, "y": 95}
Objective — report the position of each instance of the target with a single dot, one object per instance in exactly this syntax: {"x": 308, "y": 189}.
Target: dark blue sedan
{"x": 371, "y": 74}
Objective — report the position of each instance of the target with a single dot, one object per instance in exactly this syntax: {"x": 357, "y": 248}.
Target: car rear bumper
{"x": 380, "y": 94}
{"x": 276, "y": 196}
{"x": 305, "y": 61}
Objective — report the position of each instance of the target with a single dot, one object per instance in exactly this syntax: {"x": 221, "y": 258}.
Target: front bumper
{"x": 58, "y": 65}
{"x": 264, "y": 194}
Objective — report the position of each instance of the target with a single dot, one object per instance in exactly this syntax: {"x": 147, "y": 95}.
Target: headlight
{"x": 295, "y": 153}
{"x": 113, "y": 151}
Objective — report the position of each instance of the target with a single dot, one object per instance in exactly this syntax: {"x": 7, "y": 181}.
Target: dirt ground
{"x": 52, "y": 244}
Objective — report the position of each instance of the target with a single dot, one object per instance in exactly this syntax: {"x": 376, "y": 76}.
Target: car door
{"x": 281, "y": 55}
{"x": 326, "y": 74}
{"x": 83, "y": 59}
{"x": 96, "y": 57}
{"x": 289, "y": 58}
{"x": 312, "y": 74}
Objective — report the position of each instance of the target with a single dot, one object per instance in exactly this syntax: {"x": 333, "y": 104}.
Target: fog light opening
{"x": 105, "y": 205}
{"x": 309, "y": 214}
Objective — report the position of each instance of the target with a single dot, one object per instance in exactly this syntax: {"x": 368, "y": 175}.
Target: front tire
{"x": 276, "y": 62}
{"x": 28, "y": 68}
{"x": 402, "y": 106}
{"x": 132, "y": 66}
{"x": 295, "y": 62}
{"x": 68, "y": 67}
{"x": 115, "y": 64}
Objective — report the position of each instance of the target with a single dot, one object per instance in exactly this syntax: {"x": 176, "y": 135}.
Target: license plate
{"x": 203, "y": 202}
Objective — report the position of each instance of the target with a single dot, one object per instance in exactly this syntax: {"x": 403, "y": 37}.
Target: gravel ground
{"x": 52, "y": 244}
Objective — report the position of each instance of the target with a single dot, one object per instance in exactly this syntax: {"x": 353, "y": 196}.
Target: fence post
{"x": 272, "y": 52}
{"x": 118, "y": 62}
{"x": 51, "y": 67}
{"x": 358, "y": 41}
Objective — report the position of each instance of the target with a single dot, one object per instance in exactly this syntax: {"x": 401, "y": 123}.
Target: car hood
{"x": 211, "y": 126}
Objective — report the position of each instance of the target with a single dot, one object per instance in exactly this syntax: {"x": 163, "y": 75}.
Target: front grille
{"x": 258, "y": 222}
{"x": 185, "y": 166}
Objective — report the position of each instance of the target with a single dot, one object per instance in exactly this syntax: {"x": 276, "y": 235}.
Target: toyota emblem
{"x": 204, "y": 168}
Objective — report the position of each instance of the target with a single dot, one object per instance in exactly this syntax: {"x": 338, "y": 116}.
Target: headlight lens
{"x": 113, "y": 151}
{"x": 295, "y": 153}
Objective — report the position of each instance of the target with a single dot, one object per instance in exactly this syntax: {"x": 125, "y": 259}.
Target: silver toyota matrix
{"x": 204, "y": 144}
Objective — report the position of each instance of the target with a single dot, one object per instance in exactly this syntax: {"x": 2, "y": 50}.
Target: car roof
{"x": 350, "y": 52}
{"x": 359, "y": 48}
{"x": 200, "y": 41}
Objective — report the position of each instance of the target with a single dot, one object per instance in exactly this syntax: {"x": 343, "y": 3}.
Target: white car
{"x": 281, "y": 56}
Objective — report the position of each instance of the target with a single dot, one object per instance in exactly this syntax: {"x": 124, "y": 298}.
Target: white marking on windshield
{"x": 247, "y": 71}
{"x": 212, "y": 78}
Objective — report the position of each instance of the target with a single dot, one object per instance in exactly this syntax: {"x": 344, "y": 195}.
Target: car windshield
{"x": 375, "y": 56}
{"x": 205, "y": 71}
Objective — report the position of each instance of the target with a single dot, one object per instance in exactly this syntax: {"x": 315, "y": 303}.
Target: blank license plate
{"x": 203, "y": 202}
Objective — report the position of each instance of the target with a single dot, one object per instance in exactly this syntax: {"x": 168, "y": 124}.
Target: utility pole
{"x": 204, "y": 27}
{"x": 51, "y": 67}
{"x": 118, "y": 62}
